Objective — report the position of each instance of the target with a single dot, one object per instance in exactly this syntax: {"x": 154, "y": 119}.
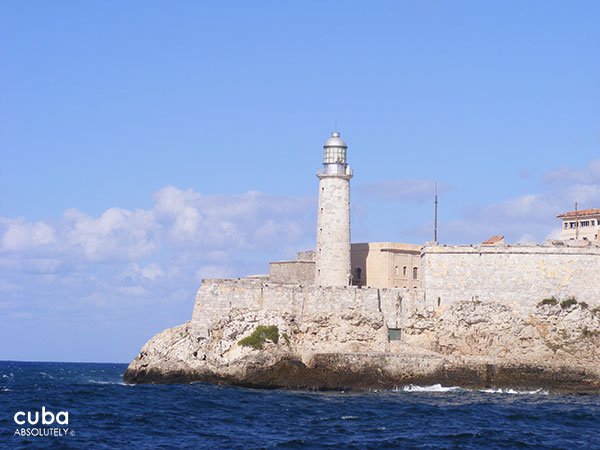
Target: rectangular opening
{"x": 394, "y": 334}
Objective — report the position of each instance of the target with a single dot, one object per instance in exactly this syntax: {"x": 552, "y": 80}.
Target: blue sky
{"x": 145, "y": 145}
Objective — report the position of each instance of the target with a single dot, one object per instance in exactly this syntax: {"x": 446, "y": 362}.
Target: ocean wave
{"x": 432, "y": 388}
{"x": 121, "y": 383}
{"x": 539, "y": 391}
{"x": 440, "y": 388}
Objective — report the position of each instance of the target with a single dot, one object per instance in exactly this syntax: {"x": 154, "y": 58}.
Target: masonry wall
{"x": 387, "y": 264}
{"x": 519, "y": 275}
{"x": 292, "y": 272}
{"x": 333, "y": 231}
{"x": 217, "y": 297}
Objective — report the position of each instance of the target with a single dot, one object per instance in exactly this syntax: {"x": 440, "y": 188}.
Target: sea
{"x": 88, "y": 406}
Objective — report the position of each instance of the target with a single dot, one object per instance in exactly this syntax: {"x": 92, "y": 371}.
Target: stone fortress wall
{"x": 292, "y": 272}
{"x": 217, "y": 297}
{"x": 518, "y": 275}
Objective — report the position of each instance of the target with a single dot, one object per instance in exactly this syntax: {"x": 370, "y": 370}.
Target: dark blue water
{"x": 105, "y": 413}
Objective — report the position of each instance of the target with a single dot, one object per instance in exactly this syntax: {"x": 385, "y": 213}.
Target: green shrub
{"x": 286, "y": 338}
{"x": 568, "y": 302}
{"x": 583, "y": 305}
{"x": 259, "y": 336}
{"x": 549, "y": 301}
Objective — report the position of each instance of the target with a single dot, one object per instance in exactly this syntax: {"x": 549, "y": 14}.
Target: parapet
{"x": 548, "y": 248}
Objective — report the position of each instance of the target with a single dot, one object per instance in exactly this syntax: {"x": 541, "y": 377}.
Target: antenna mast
{"x": 576, "y": 223}
{"x": 435, "y": 214}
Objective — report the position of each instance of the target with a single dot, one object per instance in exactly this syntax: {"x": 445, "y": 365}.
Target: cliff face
{"x": 473, "y": 344}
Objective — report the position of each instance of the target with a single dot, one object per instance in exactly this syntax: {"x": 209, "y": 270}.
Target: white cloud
{"x": 127, "y": 260}
{"x": 118, "y": 234}
{"x": 240, "y": 221}
{"x": 529, "y": 217}
{"x": 152, "y": 271}
{"x": 589, "y": 174}
{"x": 21, "y": 235}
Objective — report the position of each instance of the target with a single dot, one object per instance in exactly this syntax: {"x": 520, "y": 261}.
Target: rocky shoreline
{"x": 471, "y": 344}
{"x": 334, "y": 372}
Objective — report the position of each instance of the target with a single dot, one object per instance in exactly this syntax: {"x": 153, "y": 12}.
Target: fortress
{"x": 397, "y": 279}
{"x": 380, "y": 315}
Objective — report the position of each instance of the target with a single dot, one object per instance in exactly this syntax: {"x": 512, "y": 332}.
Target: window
{"x": 414, "y": 273}
{"x": 404, "y": 271}
{"x": 358, "y": 272}
{"x": 566, "y": 225}
{"x": 335, "y": 155}
{"x": 396, "y": 271}
{"x": 394, "y": 334}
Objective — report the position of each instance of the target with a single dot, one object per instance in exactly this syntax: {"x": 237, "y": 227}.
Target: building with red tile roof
{"x": 581, "y": 224}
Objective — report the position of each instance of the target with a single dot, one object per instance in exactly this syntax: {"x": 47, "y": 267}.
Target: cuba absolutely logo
{"x": 42, "y": 423}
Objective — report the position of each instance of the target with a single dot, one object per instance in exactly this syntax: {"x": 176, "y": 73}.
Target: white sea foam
{"x": 539, "y": 391}
{"x": 5, "y": 390}
{"x": 432, "y": 388}
{"x": 440, "y": 388}
{"x": 349, "y": 417}
{"x": 121, "y": 383}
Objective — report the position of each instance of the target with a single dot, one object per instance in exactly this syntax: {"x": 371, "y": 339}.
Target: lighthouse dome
{"x": 335, "y": 141}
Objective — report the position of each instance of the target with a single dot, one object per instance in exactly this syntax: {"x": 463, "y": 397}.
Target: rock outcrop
{"x": 471, "y": 344}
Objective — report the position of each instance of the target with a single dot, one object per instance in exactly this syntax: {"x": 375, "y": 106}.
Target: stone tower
{"x": 333, "y": 228}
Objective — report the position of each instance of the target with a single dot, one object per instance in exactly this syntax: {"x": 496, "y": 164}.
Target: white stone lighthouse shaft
{"x": 333, "y": 227}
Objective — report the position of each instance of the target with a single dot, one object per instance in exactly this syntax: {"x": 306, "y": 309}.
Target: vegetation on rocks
{"x": 564, "y": 304}
{"x": 548, "y": 301}
{"x": 259, "y": 336}
{"x": 568, "y": 302}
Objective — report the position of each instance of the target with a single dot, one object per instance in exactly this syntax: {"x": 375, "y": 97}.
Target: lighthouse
{"x": 332, "y": 258}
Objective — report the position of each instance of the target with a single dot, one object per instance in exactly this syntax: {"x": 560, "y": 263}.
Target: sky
{"x": 147, "y": 145}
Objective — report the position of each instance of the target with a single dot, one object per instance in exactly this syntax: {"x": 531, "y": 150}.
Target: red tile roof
{"x": 580, "y": 213}
{"x": 493, "y": 240}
